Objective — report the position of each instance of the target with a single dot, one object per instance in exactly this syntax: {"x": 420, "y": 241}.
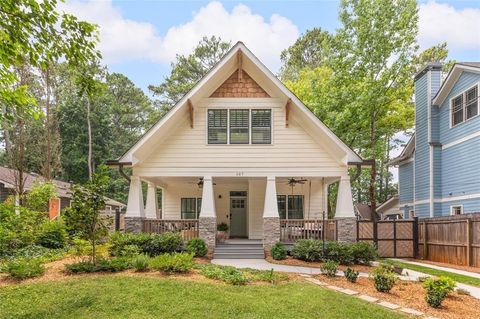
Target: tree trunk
{"x": 90, "y": 166}
{"x": 48, "y": 154}
{"x": 373, "y": 175}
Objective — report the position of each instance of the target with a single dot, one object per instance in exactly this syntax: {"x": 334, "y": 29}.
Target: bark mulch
{"x": 290, "y": 261}
{"x": 412, "y": 295}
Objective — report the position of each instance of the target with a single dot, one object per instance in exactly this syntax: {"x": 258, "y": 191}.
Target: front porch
{"x": 266, "y": 209}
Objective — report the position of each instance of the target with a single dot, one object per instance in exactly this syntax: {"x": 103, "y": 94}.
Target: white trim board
{"x": 461, "y": 140}
{"x": 442, "y": 200}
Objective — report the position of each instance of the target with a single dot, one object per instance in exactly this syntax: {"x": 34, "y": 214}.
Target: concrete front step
{"x": 240, "y": 249}
{"x": 238, "y": 255}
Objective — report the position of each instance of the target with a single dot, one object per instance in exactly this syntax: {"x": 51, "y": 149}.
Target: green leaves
{"x": 36, "y": 34}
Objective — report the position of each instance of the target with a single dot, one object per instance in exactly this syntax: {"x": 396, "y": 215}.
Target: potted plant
{"x": 222, "y": 234}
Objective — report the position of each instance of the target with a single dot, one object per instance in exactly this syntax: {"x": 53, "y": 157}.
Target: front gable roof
{"x": 209, "y": 85}
{"x": 452, "y": 78}
{"x": 406, "y": 153}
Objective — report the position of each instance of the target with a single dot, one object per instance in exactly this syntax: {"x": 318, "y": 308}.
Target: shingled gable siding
{"x": 236, "y": 87}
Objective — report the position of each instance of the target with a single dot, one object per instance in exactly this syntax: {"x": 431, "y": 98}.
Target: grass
{"x": 434, "y": 272}
{"x": 143, "y": 297}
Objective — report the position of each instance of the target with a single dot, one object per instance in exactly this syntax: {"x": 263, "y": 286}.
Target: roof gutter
{"x": 120, "y": 167}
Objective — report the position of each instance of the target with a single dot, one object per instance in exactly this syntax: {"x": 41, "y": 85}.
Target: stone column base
{"x": 134, "y": 224}
{"x": 271, "y": 232}
{"x": 346, "y": 229}
{"x": 207, "y": 228}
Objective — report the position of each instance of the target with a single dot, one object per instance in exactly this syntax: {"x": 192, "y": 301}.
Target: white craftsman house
{"x": 240, "y": 149}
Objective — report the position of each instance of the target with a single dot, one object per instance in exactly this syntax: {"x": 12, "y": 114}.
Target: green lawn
{"x": 143, "y": 297}
{"x": 434, "y": 272}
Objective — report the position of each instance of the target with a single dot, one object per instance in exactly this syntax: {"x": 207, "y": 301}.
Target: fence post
{"x": 117, "y": 219}
{"x": 415, "y": 237}
{"x": 469, "y": 242}
{"x": 395, "y": 238}
{"x": 425, "y": 241}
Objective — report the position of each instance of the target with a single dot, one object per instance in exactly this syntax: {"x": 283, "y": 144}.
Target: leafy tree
{"x": 311, "y": 50}
{"x": 34, "y": 33}
{"x": 188, "y": 70}
{"x": 437, "y": 53}
{"x": 39, "y": 195}
{"x": 83, "y": 216}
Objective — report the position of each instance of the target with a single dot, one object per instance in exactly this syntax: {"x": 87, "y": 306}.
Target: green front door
{"x": 238, "y": 217}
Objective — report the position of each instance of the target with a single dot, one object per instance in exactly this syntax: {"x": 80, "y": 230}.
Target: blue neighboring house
{"x": 439, "y": 168}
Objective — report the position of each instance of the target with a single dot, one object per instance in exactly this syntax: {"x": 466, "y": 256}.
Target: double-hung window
{"x": 190, "y": 207}
{"x": 261, "y": 126}
{"x": 239, "y": 126}
{"x": 239, "y": 120}
{"x": 290, "y": 206}
{"x": 464, "y": 106}
{"x": 471, "y": 102}
{"x": 217, "y": 126}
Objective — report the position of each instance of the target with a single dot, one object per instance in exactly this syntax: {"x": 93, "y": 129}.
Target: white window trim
{"x": 464, "y": 105}
{"x": 452, "y": 207}
{"x": 249, "y": 108}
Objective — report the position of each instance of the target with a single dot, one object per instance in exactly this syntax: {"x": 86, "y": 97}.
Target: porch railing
{"x": 292, "y": 230}
{"x": 187, "y": 227}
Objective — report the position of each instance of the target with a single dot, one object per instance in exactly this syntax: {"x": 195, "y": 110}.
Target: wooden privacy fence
{"x": 187, "y": 227}
{"x": 393, "y": 238}
{"x": 452, "y": 239}
{"x": 295, "y": 229}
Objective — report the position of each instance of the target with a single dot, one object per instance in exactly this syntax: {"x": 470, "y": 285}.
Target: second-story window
{"x": 217, "y": 126}
{"x": 239, "y": 120}
{"x": 239, "y": 126}
{"x": 464, "y": 106}
{"x": 457, "y": 110}
{"x": 471, "y": 103}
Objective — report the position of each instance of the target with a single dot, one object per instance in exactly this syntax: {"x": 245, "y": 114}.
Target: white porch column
{"x": 270, "y": 207}
{"x": 344, "y": 214}
{"x": 208, "y": 198}
{"x": 344, "y": 199}
{"x": 135, "y": 199}
{"x": 207, "y": 221}
{"x": 152, "y": 200}
{"x": 271, "y": 218}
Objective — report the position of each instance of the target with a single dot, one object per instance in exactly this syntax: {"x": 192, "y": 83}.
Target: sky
{"x": 141, "y": 38}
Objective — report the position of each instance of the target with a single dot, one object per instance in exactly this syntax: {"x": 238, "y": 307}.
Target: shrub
{"x": 140, "y": 262}
{"x": 278, "y": 251}
{"x": 151, "y": 244}
{"x": 339, "y": 252}
{"x": 80, "y": 267}
{"x": 351, "y": 275}
{"x": 197, "y": 247}
{"x": 363, "y": 253}
{"x": 437, "y": 290}
{"x": 24, "y": 268}
{"x": 129, "y": 251}
{"x": 102, "y": 265}
{"x": 222, "y": 227}
{"x": 211, "y": 272}
{"x": 52, "y": 235}
{"x": 178, "y": 262}
{"x": 233, "y": 276}
{"x": 117, "y": 264}
{"x": 307, "y": 249}
{"x": 384, "y": 278}
{"x": 38, "y": 252}
{"x": 329, "y": 268}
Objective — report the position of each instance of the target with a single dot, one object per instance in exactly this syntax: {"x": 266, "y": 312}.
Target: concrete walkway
{"x": 452, "y": 270}
{"x": 262, "y": 264}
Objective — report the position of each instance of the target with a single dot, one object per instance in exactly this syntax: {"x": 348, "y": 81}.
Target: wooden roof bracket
{"x": 190, "y": 111}
{"x": 240, "y": 67}
{"x": 287, "y": 111}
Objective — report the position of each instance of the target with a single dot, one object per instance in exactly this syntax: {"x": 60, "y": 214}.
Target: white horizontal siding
{"x": 186, "y": 151}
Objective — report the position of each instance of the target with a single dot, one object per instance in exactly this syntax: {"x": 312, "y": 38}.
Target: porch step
{"x": 239, "y": 250}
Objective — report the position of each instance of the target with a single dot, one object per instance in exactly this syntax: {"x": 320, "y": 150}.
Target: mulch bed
{"x": 459, "y": 267}
{"x": 412, "y": 295}
{"x": 290, "y": 261}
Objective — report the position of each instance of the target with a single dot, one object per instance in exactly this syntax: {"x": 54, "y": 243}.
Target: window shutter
{"x": 261, "y": 126}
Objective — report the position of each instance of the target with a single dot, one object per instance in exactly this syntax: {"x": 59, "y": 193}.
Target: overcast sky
{"x": 140, "y": 38}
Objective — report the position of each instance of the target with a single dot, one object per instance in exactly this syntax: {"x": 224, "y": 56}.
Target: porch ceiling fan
{"x": 293, "y": 181}
{"x": 200, "y": 182}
